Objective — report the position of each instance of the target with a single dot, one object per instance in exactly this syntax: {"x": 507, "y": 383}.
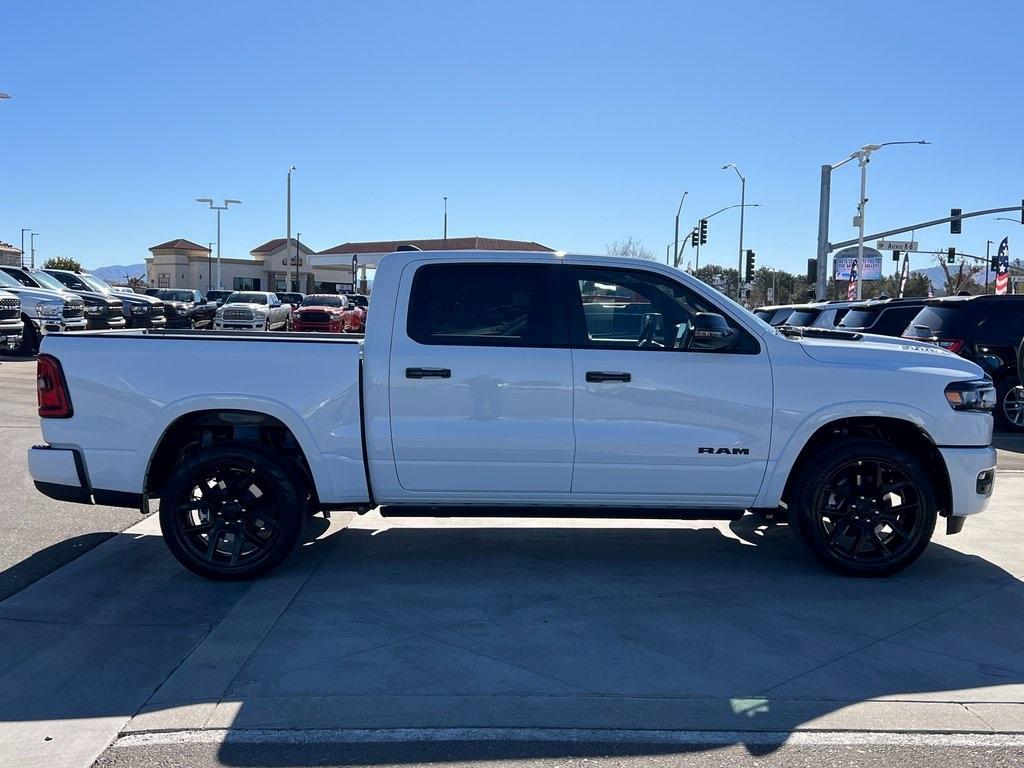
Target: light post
{"x": 743, "y": 207}
{"x": 445, "y": 198}
{"x": 355, "y": 267}
{"x": 298, "y": 246}
{"x": 209, "y": 266}
{"x": 289, "y": 228}
{"x": 23, "y": 231}
{"x": 863, "y": 156}
{"x": 988, "y": 261}
{"x": 218, "y": 209}
{"x": 32, "y": 239}
{"x": 679, "y": 210}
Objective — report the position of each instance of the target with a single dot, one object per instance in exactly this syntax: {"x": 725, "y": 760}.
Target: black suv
{"x": 886, "y": 317}
{"x": 986, "y": 330}
{"x": 822, "y": 314}
{"x": 139, "y": 311}
{"x": 185, "y": 308}
{"x": 102, "y": 311}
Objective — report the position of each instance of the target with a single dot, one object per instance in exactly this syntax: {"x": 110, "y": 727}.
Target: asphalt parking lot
{"x": 501, "y": 641}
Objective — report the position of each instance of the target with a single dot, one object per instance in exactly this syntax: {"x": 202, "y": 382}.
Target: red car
{"x": 321, "y": 312}
{"x": 355, "y": 315}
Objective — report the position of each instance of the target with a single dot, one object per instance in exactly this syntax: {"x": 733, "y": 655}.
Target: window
{"x": 246, "y": 284}
{"x": 484, "y": 304}
{"x": 627, "y": 309}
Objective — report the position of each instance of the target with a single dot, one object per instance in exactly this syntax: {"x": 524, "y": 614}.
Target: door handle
{"x": 597, "y": 377}
{"x": 428, "y": 373}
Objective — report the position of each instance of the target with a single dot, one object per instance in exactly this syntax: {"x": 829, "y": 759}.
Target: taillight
{"x": 52, "y": 389}
{"x": 953, "y": 345}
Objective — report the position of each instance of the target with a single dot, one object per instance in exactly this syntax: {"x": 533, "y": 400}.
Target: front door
{"x": 481, "y": 382}
{"x": 659, "y": 416}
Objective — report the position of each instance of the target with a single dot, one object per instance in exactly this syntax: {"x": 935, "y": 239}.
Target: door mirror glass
{"x": 709, "y": 332}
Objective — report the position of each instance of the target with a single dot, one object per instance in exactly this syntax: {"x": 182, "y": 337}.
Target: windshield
{"x": 48, "y": 281}
{"x": 859, "y": 318}
{"x": 95, "y": 283}
{"x": 803, "y": 317}
{"x": 169, "y": 295}
{"x": 933, "y": 321}
{"x": 322, "y": 301}
{"x": 6, "y": 281}
{"x": 734, "y": 307}
{"x": 246, "y": 298}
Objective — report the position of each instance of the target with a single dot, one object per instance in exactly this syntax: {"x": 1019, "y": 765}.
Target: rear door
{"x": 656, "y": 420}
{"x": 481, "y": 381}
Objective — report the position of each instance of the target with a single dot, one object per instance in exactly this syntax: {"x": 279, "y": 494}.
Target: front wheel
{"x": 1010, "y": 413}
{"x": 231, "y": 512}
{"x": 864, "y": 508}
{"x": 29, "y": 339}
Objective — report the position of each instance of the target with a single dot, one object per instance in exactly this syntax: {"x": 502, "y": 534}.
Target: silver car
{"x": 253, "y": 311}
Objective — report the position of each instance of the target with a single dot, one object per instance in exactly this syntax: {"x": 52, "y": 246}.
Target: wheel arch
{"x": 901, "y": 433}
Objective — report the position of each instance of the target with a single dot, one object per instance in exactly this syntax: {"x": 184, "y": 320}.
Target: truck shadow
{"x": 732, "y": 630}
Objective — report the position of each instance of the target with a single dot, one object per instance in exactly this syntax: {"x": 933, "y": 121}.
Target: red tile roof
{"x": 180, "y": 244}
{"x": 451, "y": 244}
{"x": 277, "y": 242}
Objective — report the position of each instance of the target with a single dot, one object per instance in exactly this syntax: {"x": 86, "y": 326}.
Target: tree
{"x": 63, "y": 262}
{"x": 722, "y": 279}
{"x": 962, "y": 277}
{"x": 631, "y": 248}
{"x": 136, "y": 283}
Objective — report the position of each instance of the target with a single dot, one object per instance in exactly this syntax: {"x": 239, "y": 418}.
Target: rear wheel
{"x": 231, "y": 512}
{"x": 1010, "y": 413}
{"x": 864, "y": 508}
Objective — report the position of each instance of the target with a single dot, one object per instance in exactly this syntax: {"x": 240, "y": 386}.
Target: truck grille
{"x": 74, "y": 309}
{"x": 157, "y": 310}
{"x": 115, "y": 309}
{"x": 10, "y": 309}
{"x": 243, "y": 315}
{"x": 314, "y": 317}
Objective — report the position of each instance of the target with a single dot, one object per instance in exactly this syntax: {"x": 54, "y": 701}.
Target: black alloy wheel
{"x": 865, "y": 508}
{"x": 1009, "y": 414}
{"x": 231, "y": 512}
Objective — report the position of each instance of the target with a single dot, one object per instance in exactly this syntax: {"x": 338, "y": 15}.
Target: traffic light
{"x": 812, "y": 270}
{"x": 750, "y": 265}
{"x": 951, "y": 255}
{"x": 896, "y": 256}
{"x": 693, "y": 237}
{"x": 956, "y": 221}
{"x": 703, "y": 231}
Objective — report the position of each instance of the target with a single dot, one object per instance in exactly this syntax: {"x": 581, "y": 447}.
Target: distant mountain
{"x": 119, "y": 271}
{"x": 938, "y": 278}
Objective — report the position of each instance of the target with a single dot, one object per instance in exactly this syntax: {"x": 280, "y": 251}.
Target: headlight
{"x": 140, "y": 310}
{"x": 49, "y": 309}
{"x": 976, "y": 395}
{"x": 93, "y": 309}
{"x": 259, "y": 315}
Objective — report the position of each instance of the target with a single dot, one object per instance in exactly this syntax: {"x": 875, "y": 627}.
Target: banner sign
{"x": 871, "y": 269}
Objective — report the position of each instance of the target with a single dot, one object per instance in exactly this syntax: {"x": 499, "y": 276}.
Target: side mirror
{"x": 711, "y": 333}
{"x": 200, "y": 301}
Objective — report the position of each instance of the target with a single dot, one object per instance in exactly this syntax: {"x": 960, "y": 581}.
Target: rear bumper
{"x": 60, "y": 474}
{"x": 971, "y": 478}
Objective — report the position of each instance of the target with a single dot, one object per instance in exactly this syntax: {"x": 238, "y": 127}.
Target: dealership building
{"x": 183, "y": 264}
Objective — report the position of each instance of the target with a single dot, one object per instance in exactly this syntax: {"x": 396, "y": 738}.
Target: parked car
{"x": 355, "y": 315}
{"x": 152, "y": 291}
{"x": 43, "y": 311}
{"x": 293, "y": 299}
{"x": 102, "y": 312}
{"x": 984, "y": 329}
{"x": 886, "y": 317}
{"x": 321, "y": 312}
{"x": 253, "y": 311}
{"x": 217, "y": 297}
{"x": 186, "y": 309}
{"x": 11, "y": 325}
{"x": 140, "y": 311}
{"x": 775, "y": 315}
{"x": 125, "y": 289}
{"x": 481, "y": 389}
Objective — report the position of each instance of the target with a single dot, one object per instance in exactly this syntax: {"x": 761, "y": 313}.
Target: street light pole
{"x": 679, "y": 210}
{"x": 743, "y": 208}
{"x": 23, "y": 231}
{"x": 32, "y": 239}
{"x": 864, "y": 159}
{"x": 988, "y": 260}
{"x": 218, "y": 209}
{"x": 209, "y": 267}
{"x": 445, "y": 198}
{"x": 289, "y": 228}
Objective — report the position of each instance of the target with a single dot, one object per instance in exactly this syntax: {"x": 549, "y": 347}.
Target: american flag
{"x": 1002, "y": 266}
{"x": 851, "y": 289}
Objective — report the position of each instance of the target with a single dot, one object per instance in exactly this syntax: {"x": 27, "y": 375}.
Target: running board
{"x": 626, "y": 513}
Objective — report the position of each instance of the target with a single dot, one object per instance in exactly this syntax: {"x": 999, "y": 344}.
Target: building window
{"x": 279, "y": 285}
{"x": 246, "y": 284}
{"x": 163, "y": 280}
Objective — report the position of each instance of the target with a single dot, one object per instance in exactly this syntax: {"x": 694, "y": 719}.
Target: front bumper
{"x": 145, "y": 321}
{"x": 971, "y": 478}
{"x": 10, "y": 334}
{"x": 45, "y": 325}
{"x": 99, "y": 323}
{"x": 220, "y": 325}
{"x": 301, "y": 325}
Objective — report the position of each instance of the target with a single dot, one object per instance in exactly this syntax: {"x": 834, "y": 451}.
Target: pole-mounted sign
{"x": 896, "y": 245}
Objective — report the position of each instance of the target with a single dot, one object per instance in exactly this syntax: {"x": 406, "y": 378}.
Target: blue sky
{"x": 574, "y": 124}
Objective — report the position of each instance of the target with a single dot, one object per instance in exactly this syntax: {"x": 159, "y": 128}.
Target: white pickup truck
{"x": 521, "y": 384}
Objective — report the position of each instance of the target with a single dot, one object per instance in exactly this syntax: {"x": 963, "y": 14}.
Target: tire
{"x": 864, "y": 508}
{"x": 288, "y": 324}
{"x": 249, "y": 500}
{"x": 192, "y": 324}
{"x": 1009, "y": 412}
{"x": 29, "y": 339}
{"x": 266, "y": 326}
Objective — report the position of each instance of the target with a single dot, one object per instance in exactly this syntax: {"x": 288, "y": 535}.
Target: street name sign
{"x": 897, "y": 245}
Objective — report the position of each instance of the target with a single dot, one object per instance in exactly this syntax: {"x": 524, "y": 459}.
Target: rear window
{"x": 482, "y": 304}
{"x": 859, "y": 318}
{"x": 933, "y": 321}
{"x": 895, "y": 320}
{"x": 803, "y": 317}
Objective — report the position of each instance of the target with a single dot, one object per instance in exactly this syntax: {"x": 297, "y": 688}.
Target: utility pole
{"x": 32, "y": 239}
{"x": 988, "y": 261}
{"x": 298, "y": 244}
{"x": 679, "y": 210}
{"x": 823, "y": 206}
{"x": 445, "y": 198}
{"x": 23, "y": 231}
{"x": 743, "y": 208}
{"x": 289, "y": 227}
{"x": 209, "y": 267}
{"x": 864, "y": 159}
